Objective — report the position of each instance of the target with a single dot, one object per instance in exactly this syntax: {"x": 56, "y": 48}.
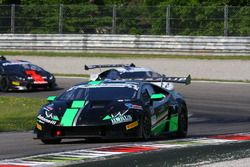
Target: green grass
{"x": 110, "y": 55}
{"x": 18, "y": 114}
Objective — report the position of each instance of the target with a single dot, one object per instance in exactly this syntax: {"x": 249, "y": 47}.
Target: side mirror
{"x": 156, "y": 97}
{"x": 51, "y": 98}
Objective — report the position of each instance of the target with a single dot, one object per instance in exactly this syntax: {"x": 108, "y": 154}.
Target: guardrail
{"x": 139, "y": 44}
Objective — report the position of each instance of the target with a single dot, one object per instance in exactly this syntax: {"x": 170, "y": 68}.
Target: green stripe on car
{"x": 95, "y": 82}
{"x": 70, "y": 113}
{"x": 68, "y": 117}
{"x": 173, "y": 125}
{"x": 78, "y": 104}
{"x": 159, "y": 128}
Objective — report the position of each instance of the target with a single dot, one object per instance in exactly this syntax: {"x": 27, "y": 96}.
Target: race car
{"x": 112, "y": 109}
{"x": 23, "y": 75}
{"x": 127, "y": 71}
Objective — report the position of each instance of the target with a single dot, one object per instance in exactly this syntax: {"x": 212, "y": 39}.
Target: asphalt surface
{"x": 214, "y": 108}
{"x": 208, "y": 69}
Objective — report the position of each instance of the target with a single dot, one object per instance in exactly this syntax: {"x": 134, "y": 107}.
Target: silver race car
{"x": 131, "y": 72}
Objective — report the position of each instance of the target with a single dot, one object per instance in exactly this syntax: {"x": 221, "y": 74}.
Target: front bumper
{"x": 124, "y": 130}
{"x": 29, "y": 85}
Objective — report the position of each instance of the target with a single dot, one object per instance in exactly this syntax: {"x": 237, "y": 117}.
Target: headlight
{"x": 51, "y": 77}
{"x": 21, "y": 78}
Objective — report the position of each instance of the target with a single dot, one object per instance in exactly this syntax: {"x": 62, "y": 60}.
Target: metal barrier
{"x": 139, "y": 44}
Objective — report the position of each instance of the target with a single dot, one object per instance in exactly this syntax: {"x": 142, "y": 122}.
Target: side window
{"x": 146, "y": 92}
{"x": 109, "y": 74}
{"x": 160, "y": 90}
{"x": 113, "y": 75}
{"x": 103, "y": 75}
{"x": 155, "y": 75}
{"x": 145, "y": 97}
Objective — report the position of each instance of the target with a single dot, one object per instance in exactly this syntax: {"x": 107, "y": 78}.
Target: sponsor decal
{"x": 46, "y": 120}
{"x": 133, "y": 106}
{"x": 121, "y": 119}
{"x": 51, "y": 116}
{"x": 49, "y": 107}
{"x": 38, "y": 126}
{"x": 118, "y": 118}
{"x": 132, "y": 125}
{"x": 15, "y": 83}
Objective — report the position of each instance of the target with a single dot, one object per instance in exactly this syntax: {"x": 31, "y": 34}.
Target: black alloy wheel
{"x": 4, "y": 84}
{"x": 146, "y": 127}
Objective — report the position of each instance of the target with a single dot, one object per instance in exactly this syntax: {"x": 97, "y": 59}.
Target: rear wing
{"x": 90, "y": 67}
{"x": 181, "y": 80}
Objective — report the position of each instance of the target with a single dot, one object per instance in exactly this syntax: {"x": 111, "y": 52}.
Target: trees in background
{"x": 176, "y": 17}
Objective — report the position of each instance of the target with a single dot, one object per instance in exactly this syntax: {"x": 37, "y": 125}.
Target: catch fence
{"x": 133, "y": 20}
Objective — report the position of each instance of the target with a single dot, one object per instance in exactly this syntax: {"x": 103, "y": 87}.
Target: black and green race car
{"x": 112, "y": 109}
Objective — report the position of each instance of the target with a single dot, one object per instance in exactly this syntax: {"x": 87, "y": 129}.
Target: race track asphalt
{"x": 214, "y": 108}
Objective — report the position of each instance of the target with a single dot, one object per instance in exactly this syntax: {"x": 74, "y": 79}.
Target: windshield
{"x": 98, "y": 93}
{"x": 140, "y": 74}
{"x": 21, "y": 67}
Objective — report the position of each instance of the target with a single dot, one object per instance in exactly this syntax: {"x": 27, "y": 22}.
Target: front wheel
{"x": 52, "y": 86}
{"x": 4, "y": 84}
{"x": 51, "y": 141}
{"x": 146, "y": 127}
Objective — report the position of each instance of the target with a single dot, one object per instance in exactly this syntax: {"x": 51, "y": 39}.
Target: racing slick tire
{"x": 4, "y": 84}
{"x": 146, "y": 127}
{"x": 51, "y": 141}
{"x": 52, "y": 86}
{"x": 182, "y": 123}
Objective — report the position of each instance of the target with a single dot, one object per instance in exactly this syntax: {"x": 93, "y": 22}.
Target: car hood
{"x": 91, "y": 113}
{"x": 31, "y": 73}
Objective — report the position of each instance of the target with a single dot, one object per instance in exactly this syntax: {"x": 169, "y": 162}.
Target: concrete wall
{"x": 140, "y": 44}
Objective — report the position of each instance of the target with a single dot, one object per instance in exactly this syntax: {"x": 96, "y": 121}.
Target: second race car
{"x": 125, "y": 72}
{"x": 112, "y": 109}
{"x": 23, "y": 75}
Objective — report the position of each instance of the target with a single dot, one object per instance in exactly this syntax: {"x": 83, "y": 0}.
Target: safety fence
{"x": 134, "y": 20}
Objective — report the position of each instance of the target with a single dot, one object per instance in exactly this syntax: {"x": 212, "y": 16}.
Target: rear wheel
{"x": 182, "y": 124}
{"x": 51, "y": 141}
{"x": 146, "y": 127}
{"x": 4, "y": 84}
